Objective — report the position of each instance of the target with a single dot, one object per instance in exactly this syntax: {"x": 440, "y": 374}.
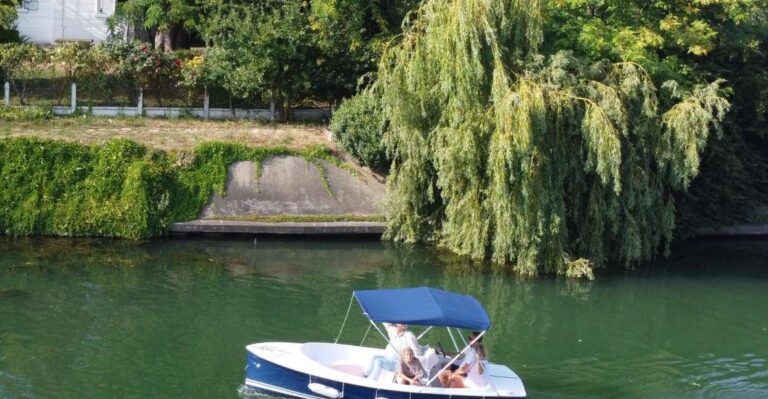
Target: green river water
{"x": 170, "y": 318}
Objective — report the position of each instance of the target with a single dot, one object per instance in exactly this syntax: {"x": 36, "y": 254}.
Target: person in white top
{"x": 473, "y": 371}
{"x": 477, "y": 375}
{"x": 399, "y": 339}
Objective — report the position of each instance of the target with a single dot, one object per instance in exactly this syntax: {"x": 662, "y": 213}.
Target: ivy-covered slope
{"x": 119, "y": 189}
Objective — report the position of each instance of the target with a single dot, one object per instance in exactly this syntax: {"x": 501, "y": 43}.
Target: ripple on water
{"x": 13, "y": 386}
{"x": 246, "y": 392}
{"x": 731, "y": 377}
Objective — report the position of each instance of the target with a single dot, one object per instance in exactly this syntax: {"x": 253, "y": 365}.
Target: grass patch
{"x": 304, "y": 218}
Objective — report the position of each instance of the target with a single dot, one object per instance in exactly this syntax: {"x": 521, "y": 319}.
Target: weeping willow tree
{"x": 541, "y": 163}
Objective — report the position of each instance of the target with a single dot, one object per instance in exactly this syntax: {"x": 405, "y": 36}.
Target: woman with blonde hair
{"x": 409, "y": 370}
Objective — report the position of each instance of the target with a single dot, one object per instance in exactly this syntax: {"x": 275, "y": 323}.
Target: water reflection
{"x": 174, "y": 315}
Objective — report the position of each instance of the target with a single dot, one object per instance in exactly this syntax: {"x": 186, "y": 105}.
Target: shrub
{"x": 57, "y": 188}
{"x": 13, "y": 114}
{"x": 202, "y": 70}
{"x": 142, "y": 65}
{"x": 359, "y": 127}
{"x": 19, "y": 61}
{"x": 85, "y": 64}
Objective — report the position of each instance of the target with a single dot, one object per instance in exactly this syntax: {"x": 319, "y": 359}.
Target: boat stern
{"x": 506, "y": 382}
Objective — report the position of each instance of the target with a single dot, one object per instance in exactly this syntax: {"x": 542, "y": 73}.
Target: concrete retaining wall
{"x": 289, "y": 185}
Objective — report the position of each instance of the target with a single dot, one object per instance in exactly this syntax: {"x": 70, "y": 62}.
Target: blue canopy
{"x": 423, "y": 306}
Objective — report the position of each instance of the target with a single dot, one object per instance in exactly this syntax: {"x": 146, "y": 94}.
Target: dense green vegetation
{"x": 7, "y": 20}
{"x": 121, "y": 189}
{"x": 289, "y": 51}
{"x": 359, "y": 125}
{"x": 690, "y": 41}
{"x": 549, "y": 136}
{"x": 507, "y": 147}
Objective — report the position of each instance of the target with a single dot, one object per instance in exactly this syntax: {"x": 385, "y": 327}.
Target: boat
{"x": 317, "y": 370}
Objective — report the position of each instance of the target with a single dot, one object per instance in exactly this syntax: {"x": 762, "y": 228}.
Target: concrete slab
{"x": 287, "y": 228}
{"x": 290, "y": 185}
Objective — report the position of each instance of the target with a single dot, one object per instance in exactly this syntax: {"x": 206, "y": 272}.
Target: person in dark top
{"x": 409, "y": 370}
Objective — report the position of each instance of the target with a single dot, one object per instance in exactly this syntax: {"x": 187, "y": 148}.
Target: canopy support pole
{"x": 424, "y": 333}
{"x": 345, "y": 320}
{"x": 453, "y": 360}
{"x": 461, "y": 336}
{"x": 366, "y": 334}
{"x": 456, "y": 347}
{"x": 386, "y": 338}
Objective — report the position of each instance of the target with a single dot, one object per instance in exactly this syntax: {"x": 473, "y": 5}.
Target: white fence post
{"x": 140, "y": 105}
{"x": 73, "y": 99}
{"x": 272, "y": 109}
{"x": 7, "y": 94}
{"x": 206, "y": 104}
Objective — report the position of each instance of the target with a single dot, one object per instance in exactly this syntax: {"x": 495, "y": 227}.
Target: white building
{"x": 51, "y": 21}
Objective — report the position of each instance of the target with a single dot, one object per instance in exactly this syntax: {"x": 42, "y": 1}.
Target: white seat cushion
{"x": 348, "y": 366}
{"x": 386, "y": 376}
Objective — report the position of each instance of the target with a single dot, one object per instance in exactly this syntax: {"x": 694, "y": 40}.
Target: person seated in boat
{"x": 449, "y": 355}
{"x": 399, "y": 339}
{"x": 477, "y": 373}
{"x": 473, "y": 371}
{"x": 409, "y": 370}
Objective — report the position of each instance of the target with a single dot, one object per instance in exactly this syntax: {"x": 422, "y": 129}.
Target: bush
{"x": 141, "y": 64}
{"x": 57, "y": 188}
{"x": 359, "y": 127}
{"x": 16, "y": 114}
{"x": 20, "y": 61}
{"x": 203, "y": 70}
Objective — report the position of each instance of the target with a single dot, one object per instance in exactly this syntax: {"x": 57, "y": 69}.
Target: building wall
{"x": 49, "y": 21}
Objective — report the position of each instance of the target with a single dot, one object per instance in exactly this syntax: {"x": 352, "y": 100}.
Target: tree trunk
{"x": 285, "y": 112}
{"x": 21, "y": 92}
{"x": 164, "y": 39}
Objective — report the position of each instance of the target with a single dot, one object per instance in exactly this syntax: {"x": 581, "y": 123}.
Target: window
{"x": 28, "y": 5}
{"x": 100, "y": 12}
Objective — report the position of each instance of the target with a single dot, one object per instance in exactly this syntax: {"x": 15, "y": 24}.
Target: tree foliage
{"x": 291, "y": 51}
{"x": 169, "y": 19}
{"x": 533, "y": 160}
{"x": 690, "y": 41}
{"x": 358, "y": 126}
{"x": 18, "y": 62}
{"x": 8, "y": 32}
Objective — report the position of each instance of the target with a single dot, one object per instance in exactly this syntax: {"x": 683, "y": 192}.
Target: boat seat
{"x": 428, "y": 360}
{"x": 386, "y": 376}
{"x": 349, "y": 366}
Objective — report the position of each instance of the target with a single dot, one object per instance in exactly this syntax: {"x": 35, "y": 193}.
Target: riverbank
{"x": 122, "y": 188}
{"x": 56, "y": 182}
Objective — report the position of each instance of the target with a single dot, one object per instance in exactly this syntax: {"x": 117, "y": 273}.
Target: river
{"x": 83, "y": 318}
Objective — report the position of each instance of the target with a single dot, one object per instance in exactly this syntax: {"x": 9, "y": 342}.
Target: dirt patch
{"x": 170, "y": 134}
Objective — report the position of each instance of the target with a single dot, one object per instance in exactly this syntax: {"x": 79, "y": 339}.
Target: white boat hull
{"x": 334, "y": 371}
